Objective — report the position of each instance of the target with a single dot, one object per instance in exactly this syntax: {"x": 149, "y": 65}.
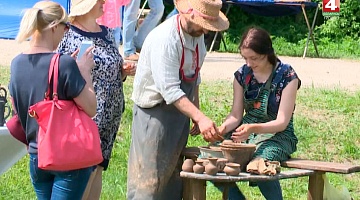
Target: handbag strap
{"x": 53, "y": 73}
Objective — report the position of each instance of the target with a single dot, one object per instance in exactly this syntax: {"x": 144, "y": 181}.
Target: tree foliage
{"x": 347, "y": 24}
{"x": 293, "y": 28}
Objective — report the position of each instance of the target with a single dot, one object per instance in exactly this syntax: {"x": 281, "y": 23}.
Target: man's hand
{"x": 209, "y": 130}
{"x": 195, "y": 129}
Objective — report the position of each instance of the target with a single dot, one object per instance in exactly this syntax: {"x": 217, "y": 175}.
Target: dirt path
{"x": 312, "y": 71}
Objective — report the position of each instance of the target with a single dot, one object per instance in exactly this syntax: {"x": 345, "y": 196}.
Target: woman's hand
{"x": 86, "y": 62}
{"x": 242, "y": 132}
{"x": 129, "y": 69}
{"x": 76, "y": 52}
{"x": 222, "y": 129}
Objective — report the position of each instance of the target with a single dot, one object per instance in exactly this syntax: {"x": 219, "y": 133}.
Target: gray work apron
{"x": 159, "y": 135}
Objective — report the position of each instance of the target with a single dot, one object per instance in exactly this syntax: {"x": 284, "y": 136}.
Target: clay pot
{"x": 204, "y": 160}
{"x": 221, "y": 163}
{"x": 188, "y": 165}
{"x": 239, "y": 153}
{"x": 232, "y": 169}
{"x": 210, "y": 152}
{"x": 199, "y": 168}
{"x": 211, "y": 168}
{"x": 191, "y": 152}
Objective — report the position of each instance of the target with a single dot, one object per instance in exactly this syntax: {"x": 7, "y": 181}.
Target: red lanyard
{"x": 182, "y": 74}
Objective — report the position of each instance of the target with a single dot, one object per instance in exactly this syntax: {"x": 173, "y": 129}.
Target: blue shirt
{"x": 29, "y": 81}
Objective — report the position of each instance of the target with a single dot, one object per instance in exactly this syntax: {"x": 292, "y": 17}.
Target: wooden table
{"x": 195, "y": 184}
{"x": 11, "y": 150}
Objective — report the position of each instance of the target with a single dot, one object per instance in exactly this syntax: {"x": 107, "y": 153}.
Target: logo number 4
{"x": 331, "y": 4}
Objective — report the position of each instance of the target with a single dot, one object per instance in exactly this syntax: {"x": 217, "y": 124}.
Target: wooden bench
{"x": 195, "y": 184}
{"x": 316, "y": 182}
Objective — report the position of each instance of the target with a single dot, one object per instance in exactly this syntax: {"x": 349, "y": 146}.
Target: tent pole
{"x": 308, "y": 25}
{"x": 222, "y": 39}
{"x": 216, "y": 34}
{"x": 310, "y": 30}
{"x": 213, "y": 42}
{"x": 142, "y": 9}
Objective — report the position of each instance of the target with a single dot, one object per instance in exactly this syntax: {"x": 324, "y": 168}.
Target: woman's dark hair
{"x": 258, "y": 40}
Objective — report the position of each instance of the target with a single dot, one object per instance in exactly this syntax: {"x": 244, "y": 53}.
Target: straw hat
{"x": 81, "y": 7}
{"x": 205, "y": 13}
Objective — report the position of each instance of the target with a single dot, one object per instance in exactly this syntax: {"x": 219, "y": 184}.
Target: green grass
{"x": 326, "y": 122}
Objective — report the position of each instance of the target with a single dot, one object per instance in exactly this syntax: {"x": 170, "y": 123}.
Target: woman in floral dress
{"x": 107, "y": 76}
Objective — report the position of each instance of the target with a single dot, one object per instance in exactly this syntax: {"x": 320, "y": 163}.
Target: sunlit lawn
{"x": 326, "y": 123}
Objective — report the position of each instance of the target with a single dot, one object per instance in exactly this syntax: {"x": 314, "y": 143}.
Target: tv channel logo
{"x": 331, "y": 8}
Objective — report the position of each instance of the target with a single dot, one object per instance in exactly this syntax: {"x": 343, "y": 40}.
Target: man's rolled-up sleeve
{"x": 165, "y": 65}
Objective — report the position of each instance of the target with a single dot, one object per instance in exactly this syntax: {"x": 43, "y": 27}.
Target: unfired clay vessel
{"x": 220, "y": 163}
{"x": 211, "y": 168}
{"x": 188, "y": 165}
{"x": 199, "y": 168}
{"x": 239, "y": 153}
{"x": 232, "y": 169}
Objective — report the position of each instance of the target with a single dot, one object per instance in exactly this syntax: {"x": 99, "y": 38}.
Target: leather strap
{"x": 53, "y": 73}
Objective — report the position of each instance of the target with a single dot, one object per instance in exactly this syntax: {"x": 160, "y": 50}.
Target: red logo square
{"x": 331, "y": 6}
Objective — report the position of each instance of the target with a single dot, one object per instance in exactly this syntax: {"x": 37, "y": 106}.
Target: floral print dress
{"x": 107, "y": 81}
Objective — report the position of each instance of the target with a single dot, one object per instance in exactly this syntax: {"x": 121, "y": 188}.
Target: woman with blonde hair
{"x": 45, "y": 23}
{"x": 108, "y": 75}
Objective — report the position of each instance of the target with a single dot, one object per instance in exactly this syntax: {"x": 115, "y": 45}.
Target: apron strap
{"x": 247, "y": 71}
{"x": 197, "y": 69}
{"x": 279, "y": 74}
{"x": 268, "y": 81}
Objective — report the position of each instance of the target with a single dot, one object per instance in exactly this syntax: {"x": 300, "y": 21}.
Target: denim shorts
{"x": 54, "y": 185}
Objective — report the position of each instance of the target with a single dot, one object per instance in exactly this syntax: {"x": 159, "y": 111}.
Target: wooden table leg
{"x": 316, "y": 186}
{"x": 198, "y": 189}
{"x": 225, "y": 193}
{"x": 187, "y": 193}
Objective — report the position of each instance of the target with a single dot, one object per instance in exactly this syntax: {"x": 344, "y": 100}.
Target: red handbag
{"x": 68, "y": 138}
{"x": 15, "y": 128}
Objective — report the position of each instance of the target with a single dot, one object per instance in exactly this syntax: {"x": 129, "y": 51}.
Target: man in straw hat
{"x": 165, "y": 96}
